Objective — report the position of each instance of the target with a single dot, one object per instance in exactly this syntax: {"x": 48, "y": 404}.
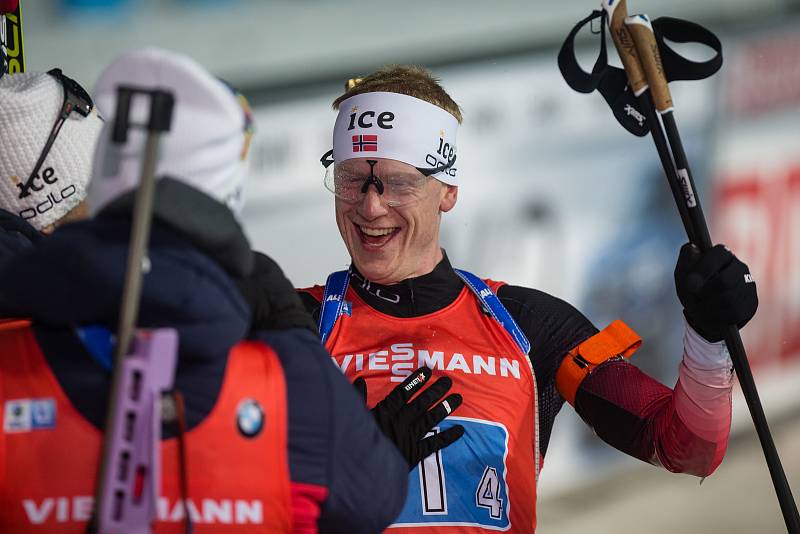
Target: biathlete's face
{"x": 394, "y": 235}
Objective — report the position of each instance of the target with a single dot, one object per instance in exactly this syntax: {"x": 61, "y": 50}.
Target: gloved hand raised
{"x": 716, "y": 290}
{"x": 272, "y": 298}
{"x": 406, "y": 423}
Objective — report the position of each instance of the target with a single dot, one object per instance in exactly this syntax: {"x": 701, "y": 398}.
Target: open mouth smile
{"x": 375, "y": 237}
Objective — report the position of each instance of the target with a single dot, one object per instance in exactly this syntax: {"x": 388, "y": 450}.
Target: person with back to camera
{"x": 276, "y": 439}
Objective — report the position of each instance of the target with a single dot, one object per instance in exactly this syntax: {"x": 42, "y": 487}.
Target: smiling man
{"x": 393, "y": 235}
{"x": 516, "y": 354}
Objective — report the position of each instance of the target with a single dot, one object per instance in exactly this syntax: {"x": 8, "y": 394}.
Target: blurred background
{"x": 555, "y": 195}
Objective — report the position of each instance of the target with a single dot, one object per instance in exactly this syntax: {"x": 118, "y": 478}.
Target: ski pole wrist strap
{"x": 616, "y": 340}
{"x": 612, "y": 82}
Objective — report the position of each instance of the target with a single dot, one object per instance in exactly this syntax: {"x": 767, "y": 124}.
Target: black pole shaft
{"x": 690, "y": 198}
{"x": 696, "y": 225}
{"x": 779, "y": 481}
{"x": 657, "y": 133}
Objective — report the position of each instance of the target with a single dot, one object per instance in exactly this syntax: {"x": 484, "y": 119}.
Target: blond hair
{"x": 411, "y": 80}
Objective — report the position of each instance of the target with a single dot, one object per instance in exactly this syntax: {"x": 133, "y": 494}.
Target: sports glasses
{"x": 75, "y": 99}
{"x": 350, "y": 180}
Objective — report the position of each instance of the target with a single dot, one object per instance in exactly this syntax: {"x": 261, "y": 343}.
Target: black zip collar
{"x": 412, "y": 297}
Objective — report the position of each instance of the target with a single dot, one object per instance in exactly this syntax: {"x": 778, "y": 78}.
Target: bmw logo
{"x": 249, "y": 418}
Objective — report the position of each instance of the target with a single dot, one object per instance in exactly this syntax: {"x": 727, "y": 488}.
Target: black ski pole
{"x": 641, "y": 32}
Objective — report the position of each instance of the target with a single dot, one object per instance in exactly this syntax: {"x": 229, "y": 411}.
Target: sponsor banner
{"x": 204, "y": 511}
{"x": 402, "y": 358}
{"x": 756, "y": 193}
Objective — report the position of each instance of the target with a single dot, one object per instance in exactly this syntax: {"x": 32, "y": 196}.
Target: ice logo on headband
{"x": 384, "y": 119}
{"x": 399, "y": 127}
{"x": 446, "y": 151}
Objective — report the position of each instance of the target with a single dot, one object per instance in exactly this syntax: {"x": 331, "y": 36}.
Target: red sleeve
{"x": 307, "y": 502}
{"x": 647, "y": 420}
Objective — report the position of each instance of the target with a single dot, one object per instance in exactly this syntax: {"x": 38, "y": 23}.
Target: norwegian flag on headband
{"x": 365, "y": 143}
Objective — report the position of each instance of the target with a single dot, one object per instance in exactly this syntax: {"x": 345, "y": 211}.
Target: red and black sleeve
{"x": 625, "y": 407}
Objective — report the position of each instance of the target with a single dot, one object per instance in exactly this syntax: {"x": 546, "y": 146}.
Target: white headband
{"x": 399, "y": 127}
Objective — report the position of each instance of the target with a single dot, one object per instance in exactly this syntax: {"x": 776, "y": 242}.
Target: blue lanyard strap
{"x": 495, "y": 308}
{"x": 333, "y": 305}
{"x": 332, "y": 302}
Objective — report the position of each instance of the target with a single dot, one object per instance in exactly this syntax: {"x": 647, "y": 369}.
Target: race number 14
{"x": 434, "y": 489}
{"x": 464, "y": 484}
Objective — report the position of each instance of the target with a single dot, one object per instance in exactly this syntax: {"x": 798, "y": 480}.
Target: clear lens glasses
{"x": 350, "y": 181}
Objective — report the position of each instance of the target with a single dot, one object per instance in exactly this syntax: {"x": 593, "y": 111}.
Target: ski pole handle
{"x": 644, "y": 39}
{"x": 617, "y": 11}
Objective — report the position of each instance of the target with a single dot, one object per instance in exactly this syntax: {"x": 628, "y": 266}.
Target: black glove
{"x": 272, "y": 298}
{"x": 716, "y": 290}
{"x": 406, "y": 423}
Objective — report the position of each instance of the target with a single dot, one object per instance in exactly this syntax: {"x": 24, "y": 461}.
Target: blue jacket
{"x": 75, "y": 277}
{"x": 16, "y": 235}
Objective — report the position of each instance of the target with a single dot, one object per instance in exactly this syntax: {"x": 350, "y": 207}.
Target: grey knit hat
{"x": 30, "y": 103}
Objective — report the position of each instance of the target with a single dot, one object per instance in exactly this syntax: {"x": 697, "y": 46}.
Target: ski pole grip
{"x": 617, "y": 11}
{"x": 644, "y": 39}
